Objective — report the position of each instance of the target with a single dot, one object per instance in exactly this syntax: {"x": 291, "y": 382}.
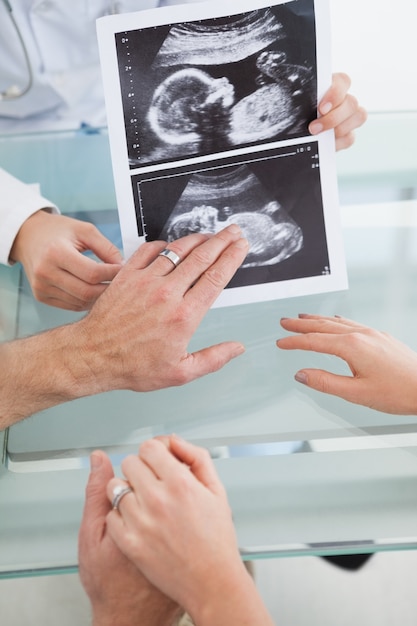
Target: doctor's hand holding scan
{"x": 50, "y": 78}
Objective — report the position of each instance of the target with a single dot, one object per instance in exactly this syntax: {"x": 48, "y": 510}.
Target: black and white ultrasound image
{"x": 196, "y": 88}
{"x": 274, "y": 195}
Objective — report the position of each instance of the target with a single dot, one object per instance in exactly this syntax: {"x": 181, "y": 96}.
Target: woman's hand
{"x": 176, "y": 526}
{"x": 384, "y": 370}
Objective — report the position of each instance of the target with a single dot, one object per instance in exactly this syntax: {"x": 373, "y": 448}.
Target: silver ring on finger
{"x": 171, "y": 255}
{"x": 119, "y": 493}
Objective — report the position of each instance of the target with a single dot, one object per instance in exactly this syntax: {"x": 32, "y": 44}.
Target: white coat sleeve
{"x": 18, "y": 201}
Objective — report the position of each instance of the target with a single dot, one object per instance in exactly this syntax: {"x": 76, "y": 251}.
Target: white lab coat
{"x": 60, "y": 37}
{"x": 17, "y": 202}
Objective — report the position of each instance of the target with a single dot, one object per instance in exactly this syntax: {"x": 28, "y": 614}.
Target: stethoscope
{"x": 13, "y": 92}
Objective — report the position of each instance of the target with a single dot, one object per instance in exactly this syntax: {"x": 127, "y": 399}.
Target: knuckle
{"x": 183, "y": 314}
{"x": 133, "y": 544}
{"x": 349, "y": 140}
{"x": 204, "y": 455}
{"x": 353, "y": 103}
{"x": 88, "y": 228}
{"x": 176, "y": 247}
{"x": 358, "y": 339}
{"x": 127, "y": 462}
{"x": 345, "y": 79}
{"x": 37, "y": 285}
{"x": 345, "y": 141}
{"x": 93, "y": 275}
{"x": 146, "y": 447}
{"x": 42, "y": 267}
{"x": 158, "y": 502}
{"x": 201, "y": 256}
{"x": 165, "y": 292}
{"x": 321, "y": 382}
{"x": 154, "y": 246}
{"x": 181, "y": 377}
{"x": 216, "y": 277}
{"x": 86, "y": 294}
{"x": 362, "y": 115}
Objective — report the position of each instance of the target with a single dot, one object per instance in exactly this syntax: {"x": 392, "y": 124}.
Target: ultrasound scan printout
{"x": 208, "y": 108}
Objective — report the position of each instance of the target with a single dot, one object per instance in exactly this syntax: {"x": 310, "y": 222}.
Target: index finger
{"x": 88, "y": 270}
{"x": 203, "y": 257}
{"x": 324, "y": 343}
{"x": 306, "y": 323}
{"x": 215, "y": 278}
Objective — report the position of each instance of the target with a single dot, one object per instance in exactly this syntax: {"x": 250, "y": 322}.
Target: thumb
{"x": 212, "y": 359}
{"x": 97, "y": 504}
{"x": 346, "y": 387}
{"x": 103, "y": 248}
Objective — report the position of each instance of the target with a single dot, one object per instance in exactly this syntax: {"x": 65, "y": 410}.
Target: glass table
{"x": 305, "y": 473}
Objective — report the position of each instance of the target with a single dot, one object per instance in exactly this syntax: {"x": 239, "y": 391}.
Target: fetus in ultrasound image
{"x": 191, "y": 107}
{"x": 218, "y": 84}
{"x": 236, "y": 197}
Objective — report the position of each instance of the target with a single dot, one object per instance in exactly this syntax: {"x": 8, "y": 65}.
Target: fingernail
{"x": 302, "y": 315}
{"x": 234, "y": 229}
{"x": 326, "y": 108}
{"x": 301, "y": 377}
{"x": 239, "y": 350}
{"x": 95, "y": 461}
{"x": 315, "y": 128}
{"x": 242, "y": 243}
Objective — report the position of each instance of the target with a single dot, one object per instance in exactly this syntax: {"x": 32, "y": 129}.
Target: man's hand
{"x": 137, "y": 334}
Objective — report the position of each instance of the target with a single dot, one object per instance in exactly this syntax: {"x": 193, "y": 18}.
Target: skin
{"x": 127, "y": 341}
{"x": 177, "y": 494}
{"x": 339, "y": 110}
{"x": 384, "y": 370}
{"x": 119, "y": 594}
{"x": 50, "y": 248}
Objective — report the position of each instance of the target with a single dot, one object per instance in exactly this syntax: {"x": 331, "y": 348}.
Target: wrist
{"x": 229, "y": 599}
{"x": 36, "y": 220}
{"x": 42, "y": 371}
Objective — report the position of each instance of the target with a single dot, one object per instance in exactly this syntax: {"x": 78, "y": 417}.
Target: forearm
{"x": 123, "y": 610}
{"x": 231, "y": 602}
{"x": 100, "y": 619}
{"x": 42, "y": 371}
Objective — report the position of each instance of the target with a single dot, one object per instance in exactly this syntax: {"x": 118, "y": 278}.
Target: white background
{"x": 375, "y": 42}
